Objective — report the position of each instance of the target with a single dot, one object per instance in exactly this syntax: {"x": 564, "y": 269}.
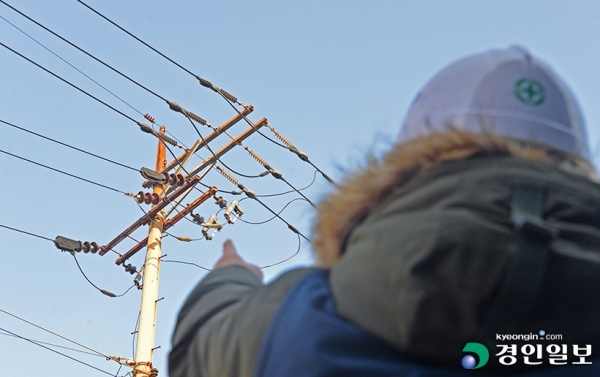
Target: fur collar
{"x": 339, "y": 213}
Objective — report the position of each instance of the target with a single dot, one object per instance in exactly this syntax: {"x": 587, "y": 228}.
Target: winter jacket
{"x": 418, "y": 252}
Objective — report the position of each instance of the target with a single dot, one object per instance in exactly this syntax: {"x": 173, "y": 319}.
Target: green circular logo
{"x": 530, "y": 92}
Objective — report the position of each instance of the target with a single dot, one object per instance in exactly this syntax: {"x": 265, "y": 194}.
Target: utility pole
{"x": 147, "y": 327}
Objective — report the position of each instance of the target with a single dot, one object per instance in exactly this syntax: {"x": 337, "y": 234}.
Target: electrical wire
{"x": 214, "y": 88}
{"x": 127, "y": 291}
{"x": 55, "y": 345}
{"x": 69, "y": 146}
{"x": 254, "y": 156}
{"x": 291, "y": 191}
{"x": 30, "y": 234}
{"x": 188, "y": 263}
{"x": 82, "y": 50}
{"x": 138, "y": 39}
{"x": 287, "y": 259}
{"x": 72, "y": 66}
{"x": 103, "y": 291}
{"x": 263, "y": 267}
{"x": 272, "y": 218}
{"x": 65, "y": 173}
{"x": 55, "y": 351}
{"x": 55, "y": 334}
{"x": 67, "y": 82}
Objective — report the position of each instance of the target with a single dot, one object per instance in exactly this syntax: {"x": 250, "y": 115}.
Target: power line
{"x": 138, "y": 39}
{"x": 53, "y": 333}
{"x": 54, "y": 345}
{"x": 72, "y": 66}
{"x": 67, "y": 82}
{"x": 69, "y": 146}
{"x": 65, "y": 173}
{"x": 55, "y": 351}
{"x": 82, "y": 50}
{"x": 272, "y": 218}
{"x": 24, "y": 232}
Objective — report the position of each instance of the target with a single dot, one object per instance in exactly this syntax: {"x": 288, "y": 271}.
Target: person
{"x": 480, "y": 226}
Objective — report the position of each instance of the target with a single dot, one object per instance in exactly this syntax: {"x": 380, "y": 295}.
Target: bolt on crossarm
{"x": 147, "y": 327}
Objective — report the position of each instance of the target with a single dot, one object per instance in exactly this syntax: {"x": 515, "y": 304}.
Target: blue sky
{"x": 334, "y": 77}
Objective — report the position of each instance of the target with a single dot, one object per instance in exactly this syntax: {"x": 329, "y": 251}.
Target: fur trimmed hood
{"x": 352, "y": 200}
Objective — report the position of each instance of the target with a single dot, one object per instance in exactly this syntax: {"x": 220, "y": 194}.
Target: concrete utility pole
{"x": 147, "y": 327}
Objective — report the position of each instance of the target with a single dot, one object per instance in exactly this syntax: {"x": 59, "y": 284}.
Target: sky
{"x": 334, "y": 77}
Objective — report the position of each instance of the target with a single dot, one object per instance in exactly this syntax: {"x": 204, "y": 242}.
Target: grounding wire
{"x": 72, "y": 66}
{"x": 54, "y": 345}
{"x": 60, "y": 353}
{"x": 69, "y": 146}
{"x": 85, "y": 52}
{"x": 65, "y": 173}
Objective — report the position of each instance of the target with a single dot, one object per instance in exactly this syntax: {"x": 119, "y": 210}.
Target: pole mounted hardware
{"x": 72, "y": 246}
{"x": 235, "y": 209}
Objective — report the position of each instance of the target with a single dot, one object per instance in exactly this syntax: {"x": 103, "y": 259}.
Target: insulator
{"x": 282, "y": 138}
{"x": 180, "y": 180}
{"x": 228, "y": 176}
{"x": 139, "y": 197}
{"x": 94, "y": 247}
{"x": 222, "y": 203}
{"x": 147, "y": 198}
{"x": 257, "y": 158}
{"x": 171, "y": 179}
{"x": 129, "y": 268}
{"x": 235, "y": 208}
{"x": 197, "y": 218}
{"x": 166, "y": 139}
{"x": 149, "y": 117}
{"x": 196, "y": 118}
{"x": 228, "y": 96}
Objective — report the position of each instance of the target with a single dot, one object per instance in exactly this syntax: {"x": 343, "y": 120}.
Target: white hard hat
{"x": 501, "y": 92}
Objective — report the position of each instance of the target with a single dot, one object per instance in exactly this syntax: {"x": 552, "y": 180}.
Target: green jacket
{"x": 420, "y": 270}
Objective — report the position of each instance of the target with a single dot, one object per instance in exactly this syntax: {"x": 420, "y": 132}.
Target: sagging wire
{"x": 103, "y": 291}
{"x": 55, "y": 351}
{"x": 249, "y": 193}
{"x": 263, "y": 267}
{"x": 272, "y": 218}
{"x": 291, "y": 191}
{"x": 275, "y": 173}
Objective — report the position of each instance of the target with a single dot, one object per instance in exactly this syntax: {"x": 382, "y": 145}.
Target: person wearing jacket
{"x": 481, "y": 226}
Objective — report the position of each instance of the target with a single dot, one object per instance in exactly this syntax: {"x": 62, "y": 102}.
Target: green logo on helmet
{"x": 530, "y": 92}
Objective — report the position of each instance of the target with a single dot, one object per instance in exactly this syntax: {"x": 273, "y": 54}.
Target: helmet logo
{"x": 530, "y": 92}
